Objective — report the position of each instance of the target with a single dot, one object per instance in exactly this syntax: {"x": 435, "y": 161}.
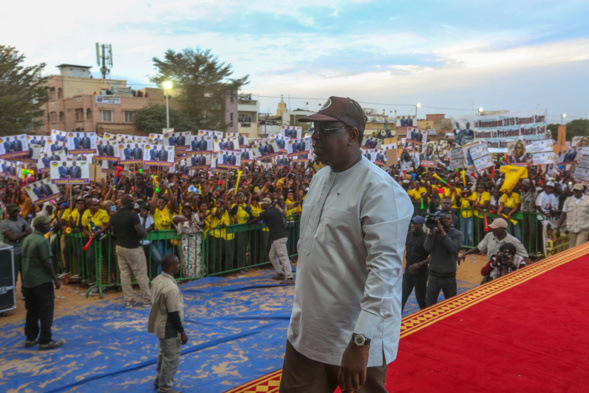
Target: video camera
{"x": 432, "y": 219}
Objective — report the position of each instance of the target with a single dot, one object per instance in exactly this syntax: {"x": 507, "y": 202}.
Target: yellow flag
{"x": 237, "y": 183}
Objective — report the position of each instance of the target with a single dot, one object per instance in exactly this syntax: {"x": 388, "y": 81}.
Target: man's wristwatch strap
{"x": 360, "y": 340}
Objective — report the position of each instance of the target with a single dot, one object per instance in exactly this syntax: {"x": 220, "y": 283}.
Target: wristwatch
{"x": 360, "y": 340}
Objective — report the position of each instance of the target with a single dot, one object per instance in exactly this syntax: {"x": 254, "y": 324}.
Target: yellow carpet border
{"x": 270, "y": 383}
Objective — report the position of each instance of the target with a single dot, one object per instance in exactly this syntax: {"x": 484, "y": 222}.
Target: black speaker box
{"x": 7, "y": 284}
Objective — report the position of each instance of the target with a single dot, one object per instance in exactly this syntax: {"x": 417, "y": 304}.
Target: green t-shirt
{"x": 35, "y": 249}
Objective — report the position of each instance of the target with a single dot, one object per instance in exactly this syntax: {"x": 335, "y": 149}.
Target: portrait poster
{"x": 131, "y": 153}
{"x": 14, "y": 146}
{"x": 42, "y": 191}
{"x": 247, "y": 154}
{"x": 81, "y": 142}
{"x": 199, "y": 161}
{"x": 58, "y": 136}
{"x": 158, "y": 155}
{"x": 11, "y": 169}
{"x": 70, "y": 172}
{"x": 43, "y": 163}
{"x": 54, "y": 146}
{"x": 291, "y": 132}
{"x": 228, "y": 159}
{"x": 517, "y": 153}
{"x": 200, "y": 143}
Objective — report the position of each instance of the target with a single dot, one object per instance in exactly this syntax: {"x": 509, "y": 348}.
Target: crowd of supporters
{"x": 208, "y": 202}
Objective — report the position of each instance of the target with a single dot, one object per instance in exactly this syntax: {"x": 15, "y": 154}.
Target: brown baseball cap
{"x": 342, "y": 109}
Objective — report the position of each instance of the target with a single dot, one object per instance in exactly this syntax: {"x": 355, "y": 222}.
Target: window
{"x": 129, "y": 117}
{"x": 106, "y": 116}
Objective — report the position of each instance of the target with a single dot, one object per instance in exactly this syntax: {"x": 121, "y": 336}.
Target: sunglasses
{"x": 320, "y": 129}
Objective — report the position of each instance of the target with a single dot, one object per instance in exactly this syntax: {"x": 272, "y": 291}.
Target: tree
{"x": 579, "y": 127}
{"x": 22, "y": 93}
{"x": 202, "y": 82}
{"x": 152, "y": 119}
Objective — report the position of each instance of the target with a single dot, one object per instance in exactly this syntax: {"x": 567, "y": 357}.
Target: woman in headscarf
{"x": 189, "y": 226}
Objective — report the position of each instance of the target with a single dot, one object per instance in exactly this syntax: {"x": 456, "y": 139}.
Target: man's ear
{"x": 353, "y": 134}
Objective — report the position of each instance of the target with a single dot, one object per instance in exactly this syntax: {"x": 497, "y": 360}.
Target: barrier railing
{"x": 220, "y": 250}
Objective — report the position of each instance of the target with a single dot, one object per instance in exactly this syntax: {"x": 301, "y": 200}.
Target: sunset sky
{"x": 451, "y": 56}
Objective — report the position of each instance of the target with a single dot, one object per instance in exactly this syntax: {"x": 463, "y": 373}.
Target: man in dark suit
{"x": 181, "y": 140}
{"x": 154, "y": 154}
{"x": 46, "y": 189}
{"x": 75, "y": 171}
{"x": 37, "y": 191}
{"x": 232, "y": 159}
{"x": 281, "y": 143}
{"x": 269, "y": 148}
{"x": 138, "y": 153}
{"x": 77, "y": 141}
{"x": 163, "y": 154}
{"x": 63, "y": 170}
{"x": 172, "y": 140}
{"x": 18, "y": 144}
{"x": 221, "y": 145}
{"x": 240, "y": 140}
{"x": 245, "y": 155}
{"x": 100, "y": 149}
{"x": 128, "y": 153}
{"x": 195, "y": 144}
{"x": 203, "y": 144}
{"x": 45, "y": 161}
{"x": 8, "y": 146}
{"x": 262, "y": 150}
{"x": 230, "y": 145}
{"x": 109, "y": 150}
{"x": 42, "y": 142}
{"x": 202, "y": 160}
{"x": 302, "y": 145}
{"x": 86, "y": 141}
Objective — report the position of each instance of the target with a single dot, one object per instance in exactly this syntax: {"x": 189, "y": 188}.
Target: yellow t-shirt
{"x": 162, "y": 219}
{"x": 416, "y": 193}
{"x": 75, "y": 215}
{"x": 215, "y": 222}
{"x": 512, "y": 201}
{"x": 485, "y": 196}
{"x": 241, "y": 216}
{"x": 99, "y": 219}
{"x": 256, "y": 211}
{"x": 466, "y": 207}
{"x": 292, "y": 211}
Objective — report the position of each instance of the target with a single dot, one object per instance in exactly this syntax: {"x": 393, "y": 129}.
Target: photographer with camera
{"x": 442, "y": 242}
{"x": 492, "y": 241}
{"x": 502, "y": 263}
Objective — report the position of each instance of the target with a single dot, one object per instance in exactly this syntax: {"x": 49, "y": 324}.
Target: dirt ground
{"x": 73, "y": 296}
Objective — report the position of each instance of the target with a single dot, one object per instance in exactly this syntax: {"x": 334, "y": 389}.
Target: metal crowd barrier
{"x": 217, "y": 251}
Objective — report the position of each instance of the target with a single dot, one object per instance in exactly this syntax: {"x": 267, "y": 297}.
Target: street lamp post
{"x": 417, "y": 106}
{"x": 562, "y": 117}
{"x": 167, "y": 86}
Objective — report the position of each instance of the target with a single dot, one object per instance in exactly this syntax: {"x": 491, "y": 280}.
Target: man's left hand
{"x": 352, "y": 372}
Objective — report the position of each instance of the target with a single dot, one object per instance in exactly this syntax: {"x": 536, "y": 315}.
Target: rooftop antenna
{"x": 104, "y": 58}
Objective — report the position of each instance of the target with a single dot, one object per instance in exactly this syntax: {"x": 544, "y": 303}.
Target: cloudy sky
{"x": 451, "y": 56}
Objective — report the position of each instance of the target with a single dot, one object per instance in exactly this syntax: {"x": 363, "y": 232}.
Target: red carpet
{"x": 525, "y": 332}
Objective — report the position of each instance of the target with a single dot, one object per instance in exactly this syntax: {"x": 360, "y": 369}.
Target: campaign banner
{"x": 200, "y": 144}
{"x": 243, "y": 140}
{"x": 281, "y": 161}
{"x": 81, "y": 142}
{"x": 477, "y": 155}
{"x": 247, "y": 155}
{"x": 69, "y": 172}
{"x": 159, "y": 155}
{"x": 542, "y": 152}
{"x": 58, "y": 136}
{"x": 54, "y": 146}
{"x": 107, "y": 99}
{"x": 229, "y": 158}
{"x": 179, "y": 139}
{"x": 199, "y": 161}
{"x": 38, "y": 140}
{"x": 517, "y": 153}
{"x": 371, "y": 143}
{"x": 267, "y": 149}
{"x": 11, "y": 169}
{"x": 297, "y": 147}
{"x": 14, "y": 146}
{"x": 497, "y": 130}
{"x": 225, "y": 144}
{"x": 42, "y": 191}
{"x": 456, "y": 158}
{"x": 43, "y": 163}
{"x": 416, "y": 136}
{"x": 406, "y": 121}
{"x": 291, "y": 132}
